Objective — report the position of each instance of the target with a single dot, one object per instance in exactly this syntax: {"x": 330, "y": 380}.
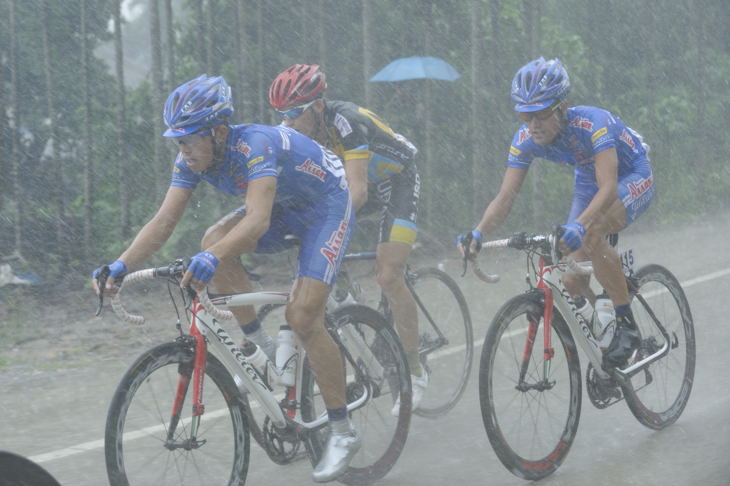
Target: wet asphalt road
{"x": 57, "y": 417}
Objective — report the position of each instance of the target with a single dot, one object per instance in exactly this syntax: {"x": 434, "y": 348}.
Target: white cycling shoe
{"x": 338, "y": 453}
{"x": 418, "y": 385}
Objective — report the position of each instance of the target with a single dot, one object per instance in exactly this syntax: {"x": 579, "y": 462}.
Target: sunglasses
{"x": 541, "y": 115}
{"x": 296, "y": 112}
{"x": 191, "y": 139}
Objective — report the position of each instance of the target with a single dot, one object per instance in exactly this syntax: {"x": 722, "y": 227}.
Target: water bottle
{"x": 257, "y": 358}
{"x": 584, "y": 308}
{"x": 604, "y": 325}
{"x": 286, "y": 356}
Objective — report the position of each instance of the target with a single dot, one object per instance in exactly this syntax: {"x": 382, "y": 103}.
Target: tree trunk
{"x": 239, "y": 84}
{"x": 88, "y": 142}
{"x": 122, "y": 156}
{"x": 427, "y": 157}
{"x": 15, "y": 157}
{"x": 261, "y": 87}
{"x": 322, "y": 30}
{"x": 58, "y": 186}
{"x": 477, "y": 156}
{"x": 163, "y": 176}
{"x": 367, "y": 49}
{"x": 211, "y": 64}
{"x": 532, "y": 29}
{"x": 170, "y": 45}
{"x": 197, "y": 19}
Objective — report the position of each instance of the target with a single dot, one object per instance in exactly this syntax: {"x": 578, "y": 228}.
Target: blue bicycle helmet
{"x": 540, "y": 84}
{"x": 201, "y": 103}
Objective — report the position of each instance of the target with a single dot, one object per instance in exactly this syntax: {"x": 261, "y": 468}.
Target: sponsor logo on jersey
{"x": 640, "y": 187}
{"x": 333, "y": 246}
{"x": 523, "y": 135}
{"x": 628, "y": 140}
{"x": 580, "y": 122}
{"x": 309, "y": 167}
{"x": 243, "y": 147}
{"x": 342, "y": 125}
{"x": 599, "y": 134}
{"x": 514, "y": 151}
{"x": 254, "y": 161}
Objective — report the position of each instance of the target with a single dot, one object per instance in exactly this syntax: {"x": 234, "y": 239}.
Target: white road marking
{"x": 99, "y": 444}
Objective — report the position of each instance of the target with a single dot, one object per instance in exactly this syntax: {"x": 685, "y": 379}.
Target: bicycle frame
{"x": 549, "y": 282}
{"x": 345, "y": 282}
{"x": 204, "y": 327}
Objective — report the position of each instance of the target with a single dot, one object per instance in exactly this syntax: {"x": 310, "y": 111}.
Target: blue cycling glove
{"x": 475, "y": 234}
{"x": 203, "y": 266}
{"x": 116, "y": 269}
{"x": 573, "y": 235}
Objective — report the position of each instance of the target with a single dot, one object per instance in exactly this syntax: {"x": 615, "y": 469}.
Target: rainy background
{"x": 83, "y": 166}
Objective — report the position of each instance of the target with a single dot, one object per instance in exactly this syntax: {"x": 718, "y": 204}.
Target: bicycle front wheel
{"x": 530, "y": 403}
{"x": 138, "y": 446}
{"x": 446, "y": 340}
{"x": 375, "y": 364}
{"x": 658, "y": 394}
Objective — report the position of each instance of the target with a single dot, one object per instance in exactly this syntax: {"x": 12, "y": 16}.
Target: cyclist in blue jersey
{"x": 613, "y": 184}
{"x": 290, "y": 185}
{"x": 381, "y": 171}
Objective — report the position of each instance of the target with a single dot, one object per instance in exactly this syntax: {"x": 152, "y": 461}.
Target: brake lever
{"x": 101, "y": 283}
{"x": 466, "y": 245}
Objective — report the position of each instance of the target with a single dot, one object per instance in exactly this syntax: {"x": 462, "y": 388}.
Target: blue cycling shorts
{"x": 324, "y": 231}
{"x": 635, "y": 190}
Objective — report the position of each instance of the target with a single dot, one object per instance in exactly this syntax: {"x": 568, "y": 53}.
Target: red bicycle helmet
{"x": 297, "y": 85}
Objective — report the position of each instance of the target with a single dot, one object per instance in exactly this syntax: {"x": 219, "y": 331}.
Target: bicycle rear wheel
{"x": 137, "y": 448}
{"x": 446, "y": 340}
{"x": 530, "y": 406}
{"x": 382, "y": 371}
{"x": 658, "y": 394}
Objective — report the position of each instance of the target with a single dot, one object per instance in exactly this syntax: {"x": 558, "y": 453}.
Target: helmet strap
{"x": 219, "y": 148}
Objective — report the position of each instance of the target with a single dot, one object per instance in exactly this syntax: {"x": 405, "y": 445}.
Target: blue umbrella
{"x": 417, "y": 67}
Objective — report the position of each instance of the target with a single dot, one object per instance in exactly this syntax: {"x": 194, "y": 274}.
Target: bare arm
{"x": 499, "y": 208}
{"x": 607, "y": 179}
{"x": 244, "y": 237}
{"x": 155, "y": 233}
{"x": 356, "y": 171}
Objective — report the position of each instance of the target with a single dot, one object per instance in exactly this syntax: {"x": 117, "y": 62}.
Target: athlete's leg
{"x": 606, "y": 262}
{"x": 390, "y": 267}
{"x": 305, "y": 315}
{"x": 230, "y": 277}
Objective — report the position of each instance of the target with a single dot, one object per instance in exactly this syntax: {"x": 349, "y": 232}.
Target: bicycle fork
{"x": 548, "y": 350}
{"x": 186, "y": 371}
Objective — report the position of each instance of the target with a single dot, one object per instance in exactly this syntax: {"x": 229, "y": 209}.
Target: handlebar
{"x": 545, "y": 244}
{"x": 173, "y": 271}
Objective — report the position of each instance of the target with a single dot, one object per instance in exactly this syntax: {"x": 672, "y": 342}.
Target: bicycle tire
{"x": 383, "y": 435}
{"x": 531, "y": 429}
{"x": 658, "y": 395}
{"x": 446, "y": 340}
{"x": 18, "y": 470}
{"x": 138, "y": 420}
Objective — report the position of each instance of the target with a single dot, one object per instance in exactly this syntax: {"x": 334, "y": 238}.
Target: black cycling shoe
{"x": 625, "y": 341}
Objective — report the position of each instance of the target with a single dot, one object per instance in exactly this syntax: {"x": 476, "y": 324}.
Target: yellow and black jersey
{"x": 355, "y": 132}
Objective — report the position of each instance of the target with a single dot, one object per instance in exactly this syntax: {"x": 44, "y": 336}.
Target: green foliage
{"x": 665, "y": 78}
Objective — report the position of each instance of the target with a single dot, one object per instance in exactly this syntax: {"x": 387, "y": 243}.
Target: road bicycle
{"x": 161, "y": 430}
{"x": 530, "y": 395}
{"x": 446, "y": 342}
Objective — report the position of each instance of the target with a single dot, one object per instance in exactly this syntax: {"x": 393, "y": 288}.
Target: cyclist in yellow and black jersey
{"x": 381, "y": 169}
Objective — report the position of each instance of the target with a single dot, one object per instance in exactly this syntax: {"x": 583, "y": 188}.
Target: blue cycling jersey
{"x": 312, "y": 200}
{"x": 589, "y": 130}
{"x": 306, "y": 172}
